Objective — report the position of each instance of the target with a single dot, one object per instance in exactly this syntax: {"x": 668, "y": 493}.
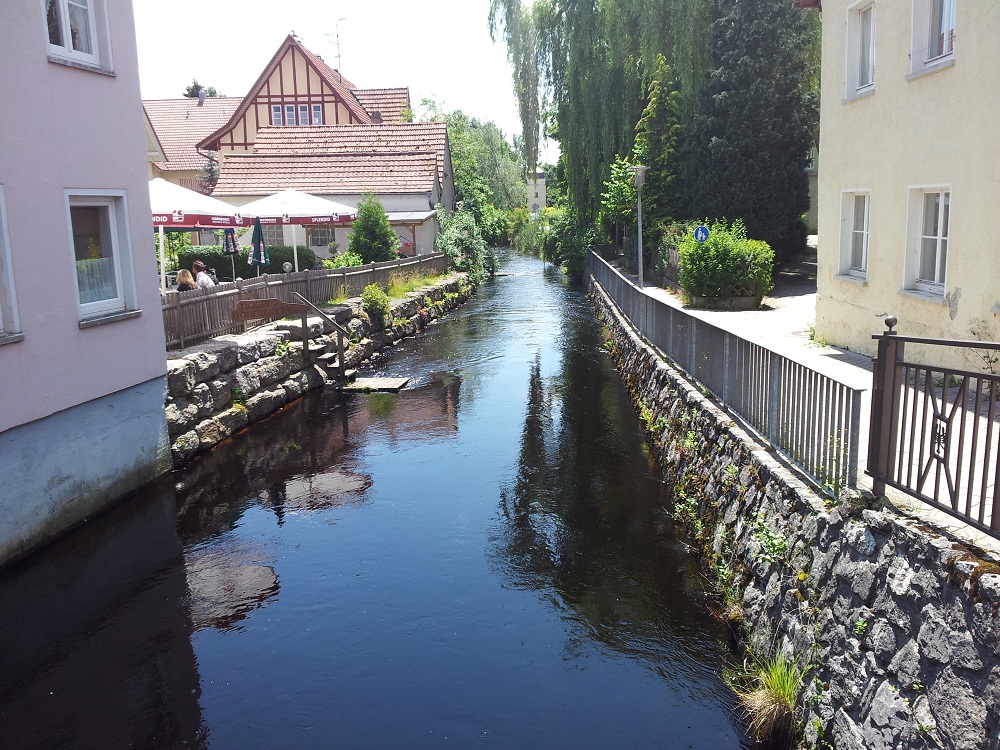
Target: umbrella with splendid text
{"x": 258, "y": 251}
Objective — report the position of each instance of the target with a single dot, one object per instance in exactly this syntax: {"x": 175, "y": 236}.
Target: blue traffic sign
{"x": 701, "y": 233}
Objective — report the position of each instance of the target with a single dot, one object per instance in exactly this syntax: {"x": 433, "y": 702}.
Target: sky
{"x": 441, "y": 50}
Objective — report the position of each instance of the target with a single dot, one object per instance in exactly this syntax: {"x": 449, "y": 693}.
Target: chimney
{"x": 377, "y": 118}
{"x": 201, "y": 96}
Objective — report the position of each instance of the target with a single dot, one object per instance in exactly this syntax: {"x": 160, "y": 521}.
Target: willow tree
{"x": 593, "y": 60}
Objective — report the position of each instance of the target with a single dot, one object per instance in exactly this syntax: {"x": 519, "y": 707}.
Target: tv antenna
{"x": 336, "y": 26}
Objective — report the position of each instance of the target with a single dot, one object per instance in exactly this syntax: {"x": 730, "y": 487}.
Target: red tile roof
{"x": 180, "y": 123}
{"x": 327, "y": 174}
{"x": 428, "y": 137}
{"x": 389, "y": 103}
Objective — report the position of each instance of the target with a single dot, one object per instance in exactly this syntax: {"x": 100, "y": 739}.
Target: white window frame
{"x": 277, "y": 118}
{"x": 317, "y": 114}
{"x": 915, "y": 240}
{"x": 115, "y": 203}
{"x": 304, "y": 118}
{"x": 10, "y": 323}
{"x": 861, "y": 33}
{"x": 99, "y": 56}
{"x": 850, "y": 232}
{"x": 923, "y": 58}
{"x": 290, "y": 114}
{"x": 274, "y": 234}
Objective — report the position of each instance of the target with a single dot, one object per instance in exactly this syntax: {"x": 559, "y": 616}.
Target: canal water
{"x": 483, "y": 559}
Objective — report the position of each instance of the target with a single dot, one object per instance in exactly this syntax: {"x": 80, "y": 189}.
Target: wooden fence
{"x": 189, "y": 317}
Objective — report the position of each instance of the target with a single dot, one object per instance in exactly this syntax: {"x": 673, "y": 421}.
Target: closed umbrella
{"x": 230, "y": 247}
{"x": 258, "y": 251}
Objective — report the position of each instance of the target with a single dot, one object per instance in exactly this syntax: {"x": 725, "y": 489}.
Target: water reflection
{"x": 96, "y": 638}
{"x": 583, "y": 519}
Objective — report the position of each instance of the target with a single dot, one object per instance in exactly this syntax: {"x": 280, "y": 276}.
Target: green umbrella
{"x": 258, "y": 251}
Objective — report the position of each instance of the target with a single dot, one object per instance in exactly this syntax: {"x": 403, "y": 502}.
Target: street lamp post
{"x": 640, "y": 179}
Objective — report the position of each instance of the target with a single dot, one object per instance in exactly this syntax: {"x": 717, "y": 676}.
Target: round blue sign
{"x": 701, "y": 233}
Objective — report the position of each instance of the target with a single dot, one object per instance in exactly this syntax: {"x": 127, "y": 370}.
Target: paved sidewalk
{"x": 784, "y": 324}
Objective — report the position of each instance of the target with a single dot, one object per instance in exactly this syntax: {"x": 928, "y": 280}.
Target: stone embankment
{"x": 216, "y": 388}
{"x": 896, "y": 628}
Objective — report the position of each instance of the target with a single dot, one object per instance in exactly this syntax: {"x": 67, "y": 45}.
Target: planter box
{"x": 727, "y": 303}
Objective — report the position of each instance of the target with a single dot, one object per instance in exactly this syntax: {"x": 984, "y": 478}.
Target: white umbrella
{"x": 176, "y": 206}
{"x": 295, "y": 207}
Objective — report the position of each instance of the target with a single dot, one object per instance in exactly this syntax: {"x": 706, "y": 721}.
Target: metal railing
{"x": 935, "y": 431}
{"x": 198, "y": 314}
{"x": 810, "y": 418}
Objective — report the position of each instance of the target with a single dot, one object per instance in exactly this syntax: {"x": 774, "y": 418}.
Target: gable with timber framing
{"x": 296, "y": 88}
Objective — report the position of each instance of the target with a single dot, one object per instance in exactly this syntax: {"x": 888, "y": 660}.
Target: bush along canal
{"x": 483, "y": 558}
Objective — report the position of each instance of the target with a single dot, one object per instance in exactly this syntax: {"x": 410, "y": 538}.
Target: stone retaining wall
{"x": 218, "y": 387}
{"x": 895, "y": 626}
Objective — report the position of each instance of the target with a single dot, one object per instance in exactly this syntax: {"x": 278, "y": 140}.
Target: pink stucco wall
{"x": 62, "y": 128}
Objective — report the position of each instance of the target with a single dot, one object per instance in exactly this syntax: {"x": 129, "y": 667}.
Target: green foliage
{"x": 567, "y": 242}
{"x": 755, "y": 125}
{"x": 773, "y": 546}
{"x": 191, "y": 92}
{"x": 768, "y": 690}
{"x": 727, "y": 264}
{"x": 281, "y": 348}
{"x": 488, "y": 172}
{"x": 860, "y": 628}
{"x": 373, "y": 239}
{"x": 656, "y": 140}
{"x": 213, "y": 257}
{"x": 175, "y": 244}
{"x": 376, "y": 303}
{"x": 460, "y": 238}
{"x": 344, "y": 260}
{"x": 619, "y": 201}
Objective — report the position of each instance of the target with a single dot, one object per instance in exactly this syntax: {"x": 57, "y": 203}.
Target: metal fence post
{"x": 885, "y": 407}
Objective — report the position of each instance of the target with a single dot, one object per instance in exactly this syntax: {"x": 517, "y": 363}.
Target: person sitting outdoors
{"x": 185, "y": 281}
{"x": 202, "y": 278}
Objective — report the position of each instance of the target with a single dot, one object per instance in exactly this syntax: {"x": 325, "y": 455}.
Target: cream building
{"x": 910, "y": 186}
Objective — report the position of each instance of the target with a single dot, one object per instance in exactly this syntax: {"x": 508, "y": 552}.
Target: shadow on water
{"x": 483, "y": 557}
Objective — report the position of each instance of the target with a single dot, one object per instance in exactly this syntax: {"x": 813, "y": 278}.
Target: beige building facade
{"x": 909, "y": 192}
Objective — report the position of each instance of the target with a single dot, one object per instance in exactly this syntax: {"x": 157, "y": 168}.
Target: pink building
{"x": 82, "y": 363}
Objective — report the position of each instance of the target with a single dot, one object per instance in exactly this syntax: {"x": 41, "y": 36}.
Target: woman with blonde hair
{"x": 185, "y": 281}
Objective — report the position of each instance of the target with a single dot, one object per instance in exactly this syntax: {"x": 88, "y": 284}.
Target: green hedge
{"x": 727, "y": 264}
{"x": 213, "y": 257}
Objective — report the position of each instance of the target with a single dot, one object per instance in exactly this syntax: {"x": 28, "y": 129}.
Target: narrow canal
{"x": 481, "y": 559}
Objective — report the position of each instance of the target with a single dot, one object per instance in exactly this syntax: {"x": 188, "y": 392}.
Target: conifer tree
{"x": 373, "y": 238}
{"x": 751, "y": 136}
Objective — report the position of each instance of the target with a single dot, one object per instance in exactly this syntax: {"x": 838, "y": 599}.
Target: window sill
{"x": 934, "y": 297}
{"x": 932, "y": 67}
{"x": 852, "y": 279}
{"x": 111, "y": 318}
{"x": 70, "y": 62}
{"x": 864, "y": 94}
{"x": 10, "y": 338}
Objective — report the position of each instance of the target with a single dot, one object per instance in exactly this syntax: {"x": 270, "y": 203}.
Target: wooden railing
{"x": 935, "y": 430}
{"x": 189, "y": 317}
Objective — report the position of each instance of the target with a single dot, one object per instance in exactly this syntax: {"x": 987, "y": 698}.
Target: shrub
{"x": 567, "y": 243}
{"x": 461, "y": 239}
{"x": 376, "y": 303}
{"x": 728, "y": 264}
{"x": 345, "y": 260}
{"x": 213, "y": 257}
